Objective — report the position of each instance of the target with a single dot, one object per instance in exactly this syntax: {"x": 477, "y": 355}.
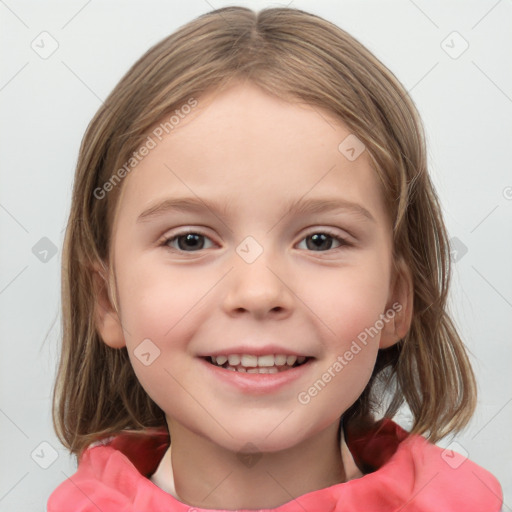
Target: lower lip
{"x": 258, "y": 383}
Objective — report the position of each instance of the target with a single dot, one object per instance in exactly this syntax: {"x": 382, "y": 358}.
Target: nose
{"x": 259, "y": 289}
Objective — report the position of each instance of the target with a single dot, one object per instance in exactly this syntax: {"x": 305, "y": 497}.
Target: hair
{"x": 299, "y": 57}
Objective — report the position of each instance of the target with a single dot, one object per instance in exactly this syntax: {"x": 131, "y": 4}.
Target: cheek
{"x": 348, "y": 306}
{"x": 346, "y": 302}
{"x": 344, "y": 371}
{"x": 338, "y": 384}
{"x": 155, "y": 301}
{"x": 155, "y": 306}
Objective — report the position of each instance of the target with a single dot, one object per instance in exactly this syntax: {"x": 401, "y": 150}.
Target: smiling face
{"x": 288, "y": 253}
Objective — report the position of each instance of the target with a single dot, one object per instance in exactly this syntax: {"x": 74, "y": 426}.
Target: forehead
{"x": 248, "y": 148}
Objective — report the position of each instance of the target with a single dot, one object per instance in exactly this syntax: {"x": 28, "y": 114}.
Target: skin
{"x": 251, "y": 153}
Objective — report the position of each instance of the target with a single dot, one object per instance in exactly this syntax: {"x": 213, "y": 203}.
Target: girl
{"x": 255, "y": 269}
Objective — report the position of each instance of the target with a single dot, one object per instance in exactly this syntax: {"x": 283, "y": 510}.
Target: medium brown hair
{"x": 299, "y": 57}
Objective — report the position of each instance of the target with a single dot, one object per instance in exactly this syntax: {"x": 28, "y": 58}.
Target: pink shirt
{"x": 403, "y": 473}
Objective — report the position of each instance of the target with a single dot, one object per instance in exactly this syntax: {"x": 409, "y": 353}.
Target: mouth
{"x": 249, "y": 363}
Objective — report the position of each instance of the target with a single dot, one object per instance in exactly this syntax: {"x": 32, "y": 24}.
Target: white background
{"x": 466, "y": 104}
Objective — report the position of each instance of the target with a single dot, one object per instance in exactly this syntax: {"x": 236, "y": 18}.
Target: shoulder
{"x": 92, "y": 482}
{"x": 112, "y": 474}
{"x": 410, "y": 470}
{"x": 451, "y": 477}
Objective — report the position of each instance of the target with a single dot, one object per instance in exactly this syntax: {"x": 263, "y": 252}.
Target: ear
{"x": 399, "y": 309}
{"x": 106, "y": 317}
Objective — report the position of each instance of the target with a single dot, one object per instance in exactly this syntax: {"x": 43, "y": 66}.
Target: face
{"x": 247, "y": 231}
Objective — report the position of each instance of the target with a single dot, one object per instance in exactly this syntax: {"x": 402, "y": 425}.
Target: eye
{"x": 322, "y": 241}
{"x": 186, "y": 242}
{"x": 191, "y": 241}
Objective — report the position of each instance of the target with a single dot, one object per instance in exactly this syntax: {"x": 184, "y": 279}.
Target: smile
{"x": 249, "y": 363}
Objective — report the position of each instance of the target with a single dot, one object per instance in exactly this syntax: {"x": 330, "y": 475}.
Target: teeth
{"x": 272, "y": 369}
{"x": 234, "y": 359}
{"x": 262, "y": 370}
{"x": 290, "y": 360}
{"x": 265, "y": 361}
{"x": 247, "y": 360}
{"x": 249, "y": 363}
{"x": 221, "y": 360}
{"x": 280, "y": 360}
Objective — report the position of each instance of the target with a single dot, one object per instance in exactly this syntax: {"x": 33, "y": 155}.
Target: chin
{"x": 264, "y": 436}
{"x": 247, "y": 443}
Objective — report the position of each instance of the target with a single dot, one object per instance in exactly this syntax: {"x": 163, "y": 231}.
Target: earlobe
{"x": 106, "y": 317}
{"x": 399, "y": 308}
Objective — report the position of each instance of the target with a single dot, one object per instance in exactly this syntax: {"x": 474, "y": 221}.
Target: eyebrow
{"x": 295, "y": 207}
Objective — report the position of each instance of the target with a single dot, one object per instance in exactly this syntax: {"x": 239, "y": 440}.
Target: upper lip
{"x": 257, "y": 351}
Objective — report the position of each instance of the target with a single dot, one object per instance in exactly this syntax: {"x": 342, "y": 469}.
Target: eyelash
{"x": 342, "y": 241}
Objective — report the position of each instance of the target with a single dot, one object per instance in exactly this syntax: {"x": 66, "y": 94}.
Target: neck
{"x": 207, "y": 475}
